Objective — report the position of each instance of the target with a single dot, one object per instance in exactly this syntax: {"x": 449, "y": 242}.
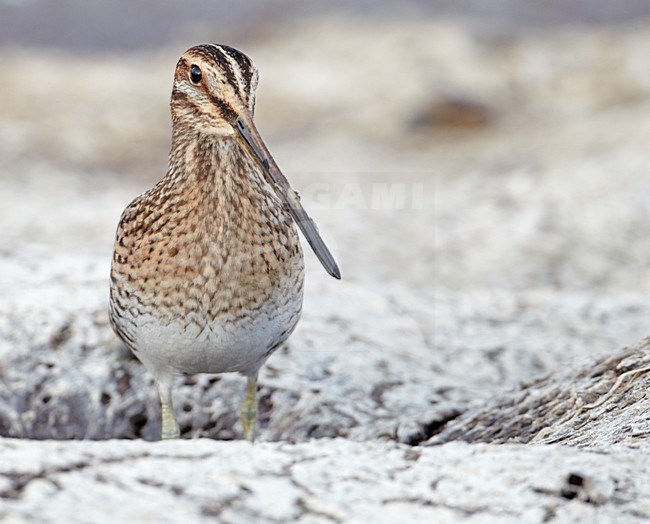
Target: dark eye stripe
{"x": 225, "y": 109}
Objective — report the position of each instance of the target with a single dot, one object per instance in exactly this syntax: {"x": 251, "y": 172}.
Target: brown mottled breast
{"x": 210, "y": 239}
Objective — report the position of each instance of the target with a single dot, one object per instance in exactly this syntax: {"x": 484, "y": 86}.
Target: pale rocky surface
{"x": 319, "y": 481}
{"x": 490, "y": 215}
{"x": 362, "y": 364}
{"x": 601, "y": 404}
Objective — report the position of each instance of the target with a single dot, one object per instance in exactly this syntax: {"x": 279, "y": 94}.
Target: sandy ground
{"x": 487, "y": 199}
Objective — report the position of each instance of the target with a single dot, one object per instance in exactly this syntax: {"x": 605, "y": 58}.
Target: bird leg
{"x": 170, "y": 429}
{"x": 248, "y": 415}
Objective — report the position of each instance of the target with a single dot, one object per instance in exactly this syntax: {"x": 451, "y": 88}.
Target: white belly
{"x": 223, "y": 345}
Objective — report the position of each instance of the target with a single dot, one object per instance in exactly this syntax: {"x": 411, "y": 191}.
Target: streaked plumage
{"x": 207, "y": 273}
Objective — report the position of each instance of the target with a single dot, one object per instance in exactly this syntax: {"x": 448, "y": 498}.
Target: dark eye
{"x": 195, "y": 74}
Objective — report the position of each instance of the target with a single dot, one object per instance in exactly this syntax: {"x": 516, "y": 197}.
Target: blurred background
{"x": 498, "y": 145}
{"x": 480, "y": 169}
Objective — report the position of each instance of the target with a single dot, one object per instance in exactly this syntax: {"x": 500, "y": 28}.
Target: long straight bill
{"x": 252, "y": 138}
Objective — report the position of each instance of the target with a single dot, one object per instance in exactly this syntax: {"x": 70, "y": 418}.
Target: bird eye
{"x": 195, "y": 74}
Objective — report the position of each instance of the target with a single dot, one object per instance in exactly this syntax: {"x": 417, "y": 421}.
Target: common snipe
{"x": 207, "y": 272}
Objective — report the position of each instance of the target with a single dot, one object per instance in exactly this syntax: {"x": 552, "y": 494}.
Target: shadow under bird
{"x": 207, "y": 271}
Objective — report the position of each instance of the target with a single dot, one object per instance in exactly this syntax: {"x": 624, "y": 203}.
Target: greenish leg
{"x": 249, "y": 409}
{"x": 170, "y": 429}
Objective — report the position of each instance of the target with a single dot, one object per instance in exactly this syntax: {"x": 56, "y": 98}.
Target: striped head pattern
{"x": 213, "y": 85}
